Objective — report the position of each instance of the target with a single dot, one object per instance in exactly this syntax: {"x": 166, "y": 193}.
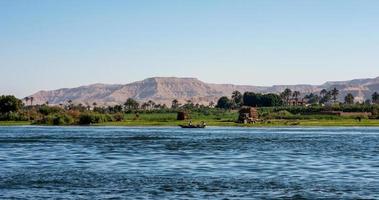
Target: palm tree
{"x": 312, "y": 98}
{"x": 326, "y": 98}
{"x": 323, "y": 92}
{"x": 335, "y": 94}
{"x": 31, "y": 101}
{"x": 286, "y": 94}
{"x": 375, "y": 97}
{"x": 189, "y": 102}
{"x": 211, "y": 104}
{"x": 145, "y": 106}
{"x": 94, "y": 104}
{"x": 163, "y": 106}
{"x": 151, "y": 104}
{"x": 26, "y": 100}
{"x": 175, "y": 104}
{"x": 237, "y": 98}
{"x": 296, "y": 95}
{"x": 349, "y": 99}
{"x": 70, "y": 105}
{"x": 131, "y": 104}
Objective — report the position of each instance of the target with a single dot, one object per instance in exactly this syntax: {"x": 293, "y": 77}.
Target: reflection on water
{"x": 173, "y": 163}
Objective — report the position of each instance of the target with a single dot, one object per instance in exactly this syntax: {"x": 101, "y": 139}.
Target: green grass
{"x": 224, "y": 119}
{"x": 14, "y": 123}
{"x": 230, "y": 122}
{"x": 342, "y": 122}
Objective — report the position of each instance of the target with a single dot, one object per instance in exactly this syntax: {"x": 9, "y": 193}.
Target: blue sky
{"x": 53, "y": 43}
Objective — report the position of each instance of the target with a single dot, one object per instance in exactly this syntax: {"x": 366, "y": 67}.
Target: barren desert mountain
{"x": 164, "y": 89}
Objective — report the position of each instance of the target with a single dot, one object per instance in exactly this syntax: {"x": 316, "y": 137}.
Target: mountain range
{"x": 164, "y": 89}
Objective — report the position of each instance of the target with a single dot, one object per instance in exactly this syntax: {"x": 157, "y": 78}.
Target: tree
{"x": 70, "y": 104}
{"x": 286, "y": 94}
{"x": 9, "y": 103}
{"x": 94, "y": 104}
{"x": 375, "y": 98}
{"x": 349, "y": 99}
{"x": 251, "y": 99}
{"x": 162, "y": 106}
{"x": 335, "y": 94}
{"x": 224, "y": 103}
{"x": 323, "y": 92}
{"x": 131, "y": 104}
{"x": 175, "y": 104}
{"x": 27, "y": 99}
{"x": 265, "y": 100}
{"x": 326, "y": 98}
{"x": 312, "y": 98}
{"x": 117, "y": 108}
{"x": 296, "y": 95}
{"x": 211, "y": 104}
{"x": 151, "y": 104}
{"x": 270, "y": 100}
{"x": 145, "y": 106}
{"x": 367, "y": 102}
{"x": 188, "y": 105}
{"x": 237, "y": 98}
{"x": 31, "y": 100}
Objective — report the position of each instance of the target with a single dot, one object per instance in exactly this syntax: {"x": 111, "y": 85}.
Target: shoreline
{"x": 272, "y": 123}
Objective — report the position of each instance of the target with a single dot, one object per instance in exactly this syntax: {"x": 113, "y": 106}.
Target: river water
{"x": 174, "y": 163}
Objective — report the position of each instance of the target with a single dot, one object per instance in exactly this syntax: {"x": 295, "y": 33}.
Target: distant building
{"x": 299, "y": 102}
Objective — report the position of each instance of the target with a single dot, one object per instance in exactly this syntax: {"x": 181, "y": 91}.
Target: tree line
{"x": 287, "y": 98}
{"x": 12, "y": 108}
{"x": 249, "y": 99}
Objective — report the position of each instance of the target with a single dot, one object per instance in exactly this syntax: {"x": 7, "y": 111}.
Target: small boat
{"x": 192, "y": 126}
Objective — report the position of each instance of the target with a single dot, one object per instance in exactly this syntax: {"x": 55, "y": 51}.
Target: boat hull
{"x": 192, "y": 126}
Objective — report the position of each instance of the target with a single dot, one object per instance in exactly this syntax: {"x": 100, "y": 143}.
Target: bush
{"x": 56, "y": 119}
{"x": 86, "y": 118}
{"x": 13, "y": 117}
{"x": 93, "y": 118}
{"x": 118, "y": 117}
{"x": 9, "y": 104}
{"x": 47, "y": 110}
{"x": 283, "y": 114}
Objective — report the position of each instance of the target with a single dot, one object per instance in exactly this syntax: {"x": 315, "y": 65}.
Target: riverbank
{"x": 269, "y": 123}
{"x": 14, "y": 123}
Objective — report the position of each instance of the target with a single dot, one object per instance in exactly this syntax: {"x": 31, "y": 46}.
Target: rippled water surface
{"x": 173, "y": 163}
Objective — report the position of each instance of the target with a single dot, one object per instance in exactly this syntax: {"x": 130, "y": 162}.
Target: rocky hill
{"x": 165, "y": 89}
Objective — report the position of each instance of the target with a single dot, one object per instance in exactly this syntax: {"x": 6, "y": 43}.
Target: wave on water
{"x": 172, "y": 163}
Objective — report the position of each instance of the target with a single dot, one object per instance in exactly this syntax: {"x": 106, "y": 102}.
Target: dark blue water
{"x": 173, "y": 163}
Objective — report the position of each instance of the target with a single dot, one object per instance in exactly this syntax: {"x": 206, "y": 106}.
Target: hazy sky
{"x": 65, "y": 43}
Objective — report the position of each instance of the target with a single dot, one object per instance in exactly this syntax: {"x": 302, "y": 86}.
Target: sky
{"x": 51, "y": 44}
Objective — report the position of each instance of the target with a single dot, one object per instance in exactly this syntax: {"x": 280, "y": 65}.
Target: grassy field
{"x": 169, "y": 119}
{"x": 221, "y": 119}
{"x": 228, "y": 119}
{"x": 272, "y": 123}
{"x": 14, "y": 123}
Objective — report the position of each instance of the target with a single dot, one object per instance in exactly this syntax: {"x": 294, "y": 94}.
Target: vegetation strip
{"x": 290, "y": 108}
